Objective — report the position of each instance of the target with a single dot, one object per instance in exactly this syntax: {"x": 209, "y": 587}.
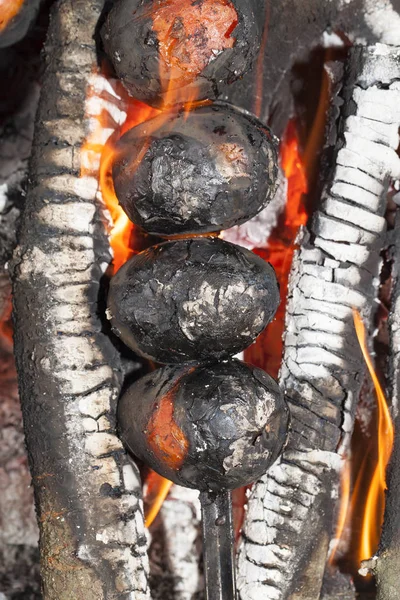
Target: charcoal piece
{"x": 192, "y": 300}
{"x": 202, "y": 171}
{"x": 176, "y": 50}
{"x": 211, "y": 427}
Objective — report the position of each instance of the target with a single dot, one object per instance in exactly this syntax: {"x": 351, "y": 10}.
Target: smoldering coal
{"x": 202, "y": 171}
{"x": 192, "y": 48}
{"x": 192, "y": 300}
{"x": 214, "y": 427}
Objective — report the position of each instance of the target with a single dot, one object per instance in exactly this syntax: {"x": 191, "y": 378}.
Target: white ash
{"x": 175, "y": 553}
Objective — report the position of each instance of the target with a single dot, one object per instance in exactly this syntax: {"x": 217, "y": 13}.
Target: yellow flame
{"x": 374, "y": 506}
{"x": 162, "y": 492}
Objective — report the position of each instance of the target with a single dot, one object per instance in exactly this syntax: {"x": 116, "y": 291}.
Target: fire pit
{"x": 322, "y": 213}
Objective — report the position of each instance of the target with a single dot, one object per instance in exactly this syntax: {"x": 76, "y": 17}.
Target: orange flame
{"x": 155, "y": 492}
{"x": 8, "y": 10}
{"x": 375, "y": 502}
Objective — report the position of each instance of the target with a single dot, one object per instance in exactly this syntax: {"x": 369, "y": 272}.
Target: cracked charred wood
{"x": 289, "y": 519}
{"x": 197, "y": 172}
{"x": 169, "y": 52}
{"x": 87, "y": 491}
{"x": 211, "y": 427}
{"x": 192, "y": 300}
{"x": 386, "y": 565}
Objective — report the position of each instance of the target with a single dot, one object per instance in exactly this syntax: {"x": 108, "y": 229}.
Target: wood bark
{"x": 88, "y": 496}
{"x": 290, "y": 512}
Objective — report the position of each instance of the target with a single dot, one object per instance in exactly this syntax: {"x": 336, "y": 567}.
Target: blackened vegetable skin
{"x": 192, "y": 300}
{"x": 204, "y": 171}
{"x": 187, "y": 58}
{"x": 215, "y": 427}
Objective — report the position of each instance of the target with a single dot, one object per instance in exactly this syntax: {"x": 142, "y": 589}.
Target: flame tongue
{"x": 375, "y": 502}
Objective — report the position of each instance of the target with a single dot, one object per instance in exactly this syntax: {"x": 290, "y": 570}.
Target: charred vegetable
{"x": 215, "y": 427}
{"x": 192, "y": 300}
{"x": 204, "y": 171}
{"x": 186, "y": 48}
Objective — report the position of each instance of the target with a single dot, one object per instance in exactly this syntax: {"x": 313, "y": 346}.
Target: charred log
{"x": 87, "y": 493}
{"x": 289, "y": 520}
{"x": 267, "y": 90}
{"x": 19, "y": 556}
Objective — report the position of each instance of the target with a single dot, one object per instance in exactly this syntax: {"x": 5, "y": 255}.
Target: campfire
{"x": 208, "y": 244}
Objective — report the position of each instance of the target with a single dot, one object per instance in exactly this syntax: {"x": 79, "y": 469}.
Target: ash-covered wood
{"x": 195, "y": 172}
{"x": 386, "y": 565}
{"x": 289, "y": 519}
{"x": 210, "y": 428}
{"x": 176, "y": 548}
{"x": 177, "y": 51}
{"x": 193, "y": 299}
{"x": 87, "y": 492}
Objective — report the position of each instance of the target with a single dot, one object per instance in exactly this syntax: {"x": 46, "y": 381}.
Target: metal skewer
{"x": 218, "y": 545}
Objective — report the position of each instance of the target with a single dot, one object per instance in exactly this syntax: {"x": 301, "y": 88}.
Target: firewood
{"x": 386, "y": 564}
{"x": 87, "y": 491}
{"x": 289, "y": 518}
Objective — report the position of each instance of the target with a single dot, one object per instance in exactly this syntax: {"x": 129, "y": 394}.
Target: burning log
{"x": 192, "y": 300}
{"x": 173, "y": 51}
{"x": 289, "y": 519}
{"x": 87, "y": 492}
{"x": 199, "y": 171}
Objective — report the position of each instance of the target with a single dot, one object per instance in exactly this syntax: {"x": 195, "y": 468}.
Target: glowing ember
{"x": 189, "y": 36}
{"x": 8, "y": 10}
{"x": 375, "y": 501}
